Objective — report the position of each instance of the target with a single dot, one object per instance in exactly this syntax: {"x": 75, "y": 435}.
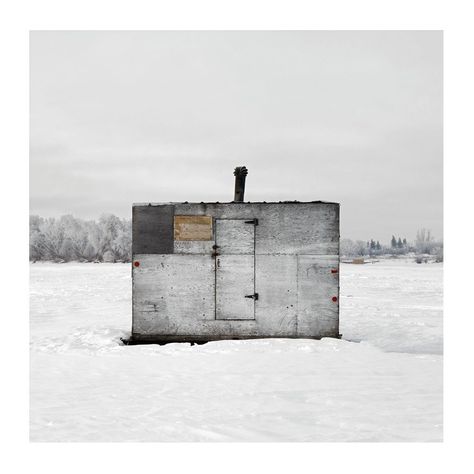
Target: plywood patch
{"x": 192, "y": 227}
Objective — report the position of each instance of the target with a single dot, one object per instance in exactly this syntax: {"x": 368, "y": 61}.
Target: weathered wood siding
{"x": 318, "y": 285}
{"x": 284, "y": 228}
{"x": 235, "y": 279}
{"x": 152, "y": 229}
{"x": 235, "y": 237}
{"x": 291, "y": 259}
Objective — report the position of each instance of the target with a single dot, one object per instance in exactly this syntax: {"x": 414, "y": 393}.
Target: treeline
{"x": 71, "y": 239}
{"x": 424, "y": 244}
{"x": 109, "y": 239}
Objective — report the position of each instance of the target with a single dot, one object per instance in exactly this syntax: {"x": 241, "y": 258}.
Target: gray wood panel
{"x": 169, "y": 290}
{"x": 194, "y": 247}
{"x": 317, "y": 286}
{"x": 234, "y": 236}
{"x": 152, "y": 229}
{"x": 235, "y": 280}
{"x": 275, "y": 283}
{"x": 298, "y": 229}
{"x": 235, "y": 269}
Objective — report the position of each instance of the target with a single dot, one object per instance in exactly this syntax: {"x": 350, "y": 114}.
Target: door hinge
{"x": 253, "y": 221}
{"x": 254, "y": 296}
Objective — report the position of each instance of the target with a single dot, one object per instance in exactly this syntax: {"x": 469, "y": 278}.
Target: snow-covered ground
{"x": 381, "y": 382}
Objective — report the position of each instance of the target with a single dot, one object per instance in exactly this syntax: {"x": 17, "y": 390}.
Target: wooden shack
{"x": 236, "y": 270}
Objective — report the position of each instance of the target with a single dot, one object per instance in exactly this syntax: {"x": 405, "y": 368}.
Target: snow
{"x": 396, "y": 305}
{"x": 381, "y": 382}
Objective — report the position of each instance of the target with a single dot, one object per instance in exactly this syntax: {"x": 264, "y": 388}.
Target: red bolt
{"x": 137, "y": 264}
{"x": 333, "y": 270}
{"x": 334, "y": 298}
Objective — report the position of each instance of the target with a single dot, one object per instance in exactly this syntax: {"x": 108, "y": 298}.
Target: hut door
{"x": 235, "y": 265}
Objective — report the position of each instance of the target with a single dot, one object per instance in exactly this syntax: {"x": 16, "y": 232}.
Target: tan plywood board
{"x": 192, "y": 228}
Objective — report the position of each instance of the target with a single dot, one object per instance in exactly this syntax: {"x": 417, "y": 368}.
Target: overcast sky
{"x": 351, "y": 117}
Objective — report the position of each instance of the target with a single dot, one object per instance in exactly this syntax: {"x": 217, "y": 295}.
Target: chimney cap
{"x": 241, "y": 171}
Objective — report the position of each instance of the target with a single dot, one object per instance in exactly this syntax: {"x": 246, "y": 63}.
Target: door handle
{"x": 254, "y": 296}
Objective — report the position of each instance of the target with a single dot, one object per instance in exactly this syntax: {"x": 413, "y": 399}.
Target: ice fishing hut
{"x": 236, "y": 270}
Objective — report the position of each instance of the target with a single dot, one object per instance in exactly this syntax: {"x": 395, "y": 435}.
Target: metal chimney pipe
{"x": 240, "y": 174}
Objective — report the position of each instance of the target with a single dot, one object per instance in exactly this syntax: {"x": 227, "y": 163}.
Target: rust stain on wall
{"x": 192, "y": 228}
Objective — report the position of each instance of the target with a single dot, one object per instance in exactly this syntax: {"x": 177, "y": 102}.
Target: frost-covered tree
{"x": 349, "y": 248}
{"x": 424, "y": 241}
{"x": 439, "y": 252}
{"x": 90, "y": 252}
{"x": 106, "y": 232}
{"x": 346, "y": 247}
{"x": 35, "y": 223}
{"x": 77, "y": 237}
{"x": 99, "y": 238}
{"x": 359, "y": 248}
{"x": 69, "y": 238}
{"x": 122, "y": 244}
{"x": 53, "y": 233}
{"x": 37, "y": 245}
{"x": 36, "y": 238}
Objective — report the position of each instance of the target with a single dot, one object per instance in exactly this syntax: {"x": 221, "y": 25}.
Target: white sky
{"x": 352, "y": 117}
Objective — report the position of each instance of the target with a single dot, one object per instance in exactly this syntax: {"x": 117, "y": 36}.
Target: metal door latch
{"x": 254, "y": 296}
{"x": 253, "y": 221}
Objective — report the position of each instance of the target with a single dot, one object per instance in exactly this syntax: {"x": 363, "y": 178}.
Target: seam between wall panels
{"x": 338, "y": 209}
{"x": 254, "y": 271}
{"x": 215, "y": 269}
{"x": 297, "y": 294}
